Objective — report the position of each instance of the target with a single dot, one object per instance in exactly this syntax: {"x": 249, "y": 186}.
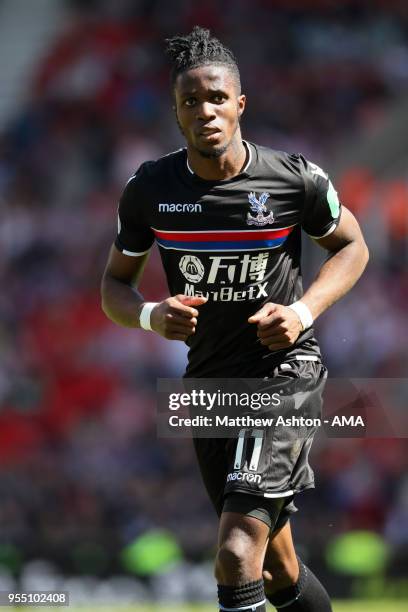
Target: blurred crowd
{"x": 81, "y": 466}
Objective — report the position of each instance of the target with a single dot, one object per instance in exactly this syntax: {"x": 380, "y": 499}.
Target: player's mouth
{"x": 209, "y": 134}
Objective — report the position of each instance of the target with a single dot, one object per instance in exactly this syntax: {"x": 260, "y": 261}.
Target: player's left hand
{"x": 278, "y": 326}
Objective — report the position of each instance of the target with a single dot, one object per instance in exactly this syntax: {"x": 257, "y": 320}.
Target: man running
{"x": 227, "y": 216}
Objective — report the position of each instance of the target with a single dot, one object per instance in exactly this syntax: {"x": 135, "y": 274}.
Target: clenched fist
{"x": 176, "y": 318}
{"x": 278, "y": 326}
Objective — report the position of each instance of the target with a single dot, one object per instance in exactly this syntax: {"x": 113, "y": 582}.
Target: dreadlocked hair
{"x": 199, "y": 48}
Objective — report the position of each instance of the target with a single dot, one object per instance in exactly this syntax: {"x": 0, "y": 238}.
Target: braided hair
{"x": 199, "y": 48}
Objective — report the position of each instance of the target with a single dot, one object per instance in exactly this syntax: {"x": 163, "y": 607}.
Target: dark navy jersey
{"x": 236, "y": 241}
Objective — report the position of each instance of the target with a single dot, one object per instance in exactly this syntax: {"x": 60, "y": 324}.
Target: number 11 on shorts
{"x": 258, "y": 434}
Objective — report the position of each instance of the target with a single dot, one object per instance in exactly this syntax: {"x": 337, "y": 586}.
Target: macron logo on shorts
{"x": 244, "y": 477}
{"x": 178, "y": 207}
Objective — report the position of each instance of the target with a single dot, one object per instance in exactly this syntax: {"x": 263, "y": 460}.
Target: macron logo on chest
{"x": 179, "y": 208}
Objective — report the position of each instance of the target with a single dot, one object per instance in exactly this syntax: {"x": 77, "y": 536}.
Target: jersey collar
{"x": 243, "y": 174}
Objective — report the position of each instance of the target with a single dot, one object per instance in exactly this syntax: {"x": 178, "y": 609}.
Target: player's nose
{"x": 205, "y": 111}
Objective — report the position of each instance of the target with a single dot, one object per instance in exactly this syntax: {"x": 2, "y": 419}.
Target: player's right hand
{"x": 176, "y": 318}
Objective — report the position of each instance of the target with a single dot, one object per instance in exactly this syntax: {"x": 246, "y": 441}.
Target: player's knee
{"x": 236, "y": 562}
{"x": 230, "y": 561}
{"x": 280, "y": 574}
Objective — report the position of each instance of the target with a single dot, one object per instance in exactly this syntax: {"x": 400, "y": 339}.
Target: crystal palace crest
{"x": 258, "y": 207}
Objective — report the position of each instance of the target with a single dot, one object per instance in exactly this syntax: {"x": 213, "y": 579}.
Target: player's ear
{"x": 174, "y": 104}
{"x": 241, "y": 104}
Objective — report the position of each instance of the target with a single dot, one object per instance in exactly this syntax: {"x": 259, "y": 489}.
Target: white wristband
{"x": 303, "y": 312}
{"x": 144, "y": 318}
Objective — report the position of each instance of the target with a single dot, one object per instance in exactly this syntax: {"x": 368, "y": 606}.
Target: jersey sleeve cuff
{"x": 121, "y": 248}
{"x": 328, "y": 231}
